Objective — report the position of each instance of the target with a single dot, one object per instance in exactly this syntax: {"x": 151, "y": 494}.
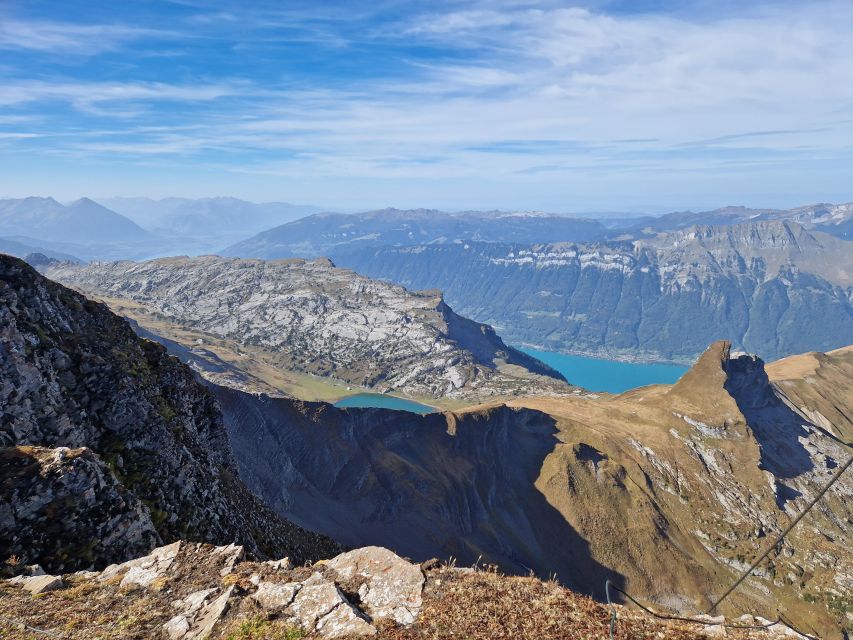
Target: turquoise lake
{"x": 364, "y": 400}
{"x": 590, "y": 373}
{"x": 608, "y": 375}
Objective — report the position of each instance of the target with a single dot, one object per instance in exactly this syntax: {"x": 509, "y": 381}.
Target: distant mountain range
{"x": 335, "y": 234}
{"x": 773, "y": 288}
{"x": 150, "y": 228}
{"x": 773, "y": 281}
{"x": 834, "y": 219}
{"x": 142, "y": 228}
{"x": 207, "y": 216}
{"x": 22, "y": 250}
{"x": 82, "y": 222}
{"x": 331, "y": 233}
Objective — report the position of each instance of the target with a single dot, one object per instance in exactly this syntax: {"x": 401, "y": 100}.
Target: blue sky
{"x": 574, "y": 107}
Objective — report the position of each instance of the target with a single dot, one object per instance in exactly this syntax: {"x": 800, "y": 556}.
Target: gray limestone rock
{"x": 391, "y": 588}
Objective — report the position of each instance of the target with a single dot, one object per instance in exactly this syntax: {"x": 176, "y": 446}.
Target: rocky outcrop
{"x": 208, "y": 593}
{"x": 772, "y": 288}
{"x": 365, "y": 593}
{"x": 110, "y": 445}
{"x": 65, "y": 505}
{"x": 389, "y": 587}
{"x": 313, "y": 318}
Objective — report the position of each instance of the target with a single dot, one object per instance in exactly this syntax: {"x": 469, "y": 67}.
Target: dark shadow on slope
{"x": 776, "y": 426}
{"x": 425, "y": 486}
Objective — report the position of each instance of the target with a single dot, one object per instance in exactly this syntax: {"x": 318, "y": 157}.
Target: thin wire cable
{"x": 782, "y": 535}
{"x": 612, "y": 610}
{"x": 17, "y": 624}
{"x": 663, "y": 616}
{"x": 780, "y": 620}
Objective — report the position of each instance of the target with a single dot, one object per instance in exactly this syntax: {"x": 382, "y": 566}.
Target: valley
{"x": 773, "y": 288}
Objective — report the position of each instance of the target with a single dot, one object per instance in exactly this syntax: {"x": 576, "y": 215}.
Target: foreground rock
{"x": 390, "y": 587}
{"x": 179, "y": 592}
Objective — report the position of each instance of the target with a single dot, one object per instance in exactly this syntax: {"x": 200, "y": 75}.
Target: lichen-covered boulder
{"x": 390, "y": 586}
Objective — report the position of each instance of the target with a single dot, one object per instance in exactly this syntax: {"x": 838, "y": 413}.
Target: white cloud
{"x": 87, "y": 95}
{"x": 68, "y": 38}
{"x": 764, "y": 88}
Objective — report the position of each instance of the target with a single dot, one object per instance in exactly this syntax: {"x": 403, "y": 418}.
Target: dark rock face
{"x": 439, "y": 485}
{"x": 772, "y": 288}
{"x": 72, "y": 374}
{"x": 76, "y": 512}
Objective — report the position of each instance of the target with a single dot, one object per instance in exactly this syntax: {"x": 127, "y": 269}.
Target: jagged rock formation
{"x": 189, "y": 591}
{"x": 772, "y": 288}
{"x": 64, "y": 507}
{"x": 311, "y": 317}
{"x": 108, "y": 444}
{"x": 670, "y": 491}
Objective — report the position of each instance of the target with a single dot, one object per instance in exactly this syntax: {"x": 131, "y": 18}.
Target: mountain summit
{"x": 81, "y": 222}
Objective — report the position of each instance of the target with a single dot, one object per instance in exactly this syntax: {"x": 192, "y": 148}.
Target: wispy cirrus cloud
{"x": 70, "y": 38}
{"x": 523, "y": 93}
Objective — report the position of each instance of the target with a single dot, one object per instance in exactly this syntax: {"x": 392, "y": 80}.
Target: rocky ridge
{"x": 310, "y": 317}
{"x": 109, "y": 445}
{"x": 706, "y": 472}
{"x": 818, "y": 386}
{"x": 834, "y": 219}
{"x": 192, "y": 591}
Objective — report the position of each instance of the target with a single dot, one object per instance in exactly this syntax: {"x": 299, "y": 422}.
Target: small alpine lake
{"x": 612, "y": 376}
{"x": 383, "y": 401}
{"x": 593, "y": 374}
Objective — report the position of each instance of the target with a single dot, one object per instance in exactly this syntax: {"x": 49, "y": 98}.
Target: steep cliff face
{"x": 670, "y": 491}
{"x": 312, "y": 318}
{"x": 111, "y": 444}
{"x": 440, "y": 485}
{"x": 772, "y": 288}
